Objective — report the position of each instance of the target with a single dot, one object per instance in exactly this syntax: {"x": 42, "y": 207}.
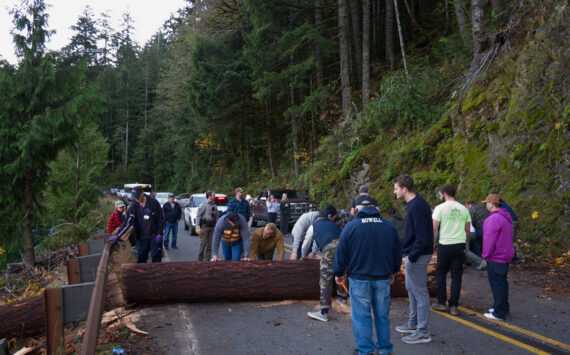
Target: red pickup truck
{"x": 299, "y": 205}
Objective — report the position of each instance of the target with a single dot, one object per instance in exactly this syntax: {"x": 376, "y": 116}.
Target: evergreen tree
{"x": 83, "y": 45}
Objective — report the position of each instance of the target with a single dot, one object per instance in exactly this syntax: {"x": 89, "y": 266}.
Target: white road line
{"x": 192, "y": 338}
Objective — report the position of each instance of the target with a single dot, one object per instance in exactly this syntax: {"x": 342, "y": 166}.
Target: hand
{"x": 113, "y": 239}
{"x": 293, "y": 256}
{"x": 311, "y": 256}
{"x": 339, "y": 280}
{"x": 434, "y": 246}
{"x": 158, "y": 239}
{"x": 214, "y": 258}
{"x": 198, "y": 230}
{"x": 392, "y": 278}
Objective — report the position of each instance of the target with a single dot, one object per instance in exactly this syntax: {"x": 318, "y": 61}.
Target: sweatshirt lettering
{"x": 371, "y": 220}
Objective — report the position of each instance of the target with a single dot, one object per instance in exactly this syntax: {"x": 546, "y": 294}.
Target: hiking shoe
{"x": 491, "y": 310}
{"x": 453, "y": 311}
{"x": 439, "y": 307}
{"x": 318, "y": 316}
{"x": 492, "y": 316}
{"x": 482, "y": 265}
{"x": 174, "y": 247}
{"x": 342, "y": 301}
{"x": 406, "y": 328}
{"x": 416, "y": 338}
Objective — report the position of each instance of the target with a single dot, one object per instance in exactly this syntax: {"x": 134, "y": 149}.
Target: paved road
{"x": 538, "y": 324}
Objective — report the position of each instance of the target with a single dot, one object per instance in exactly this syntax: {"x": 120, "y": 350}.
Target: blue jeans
{"x": 497, "y": 274}
{"x": 475, "y": 246}
{"x": 145, "y": 246}
{"x": 232, "y": 252}
{"x": 366, "y": 294}
{"x": 171, "y": 226}
{"x": 416, "y": 285}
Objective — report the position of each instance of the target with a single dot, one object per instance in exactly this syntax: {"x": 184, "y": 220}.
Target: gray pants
{"x": 416, "y": 285}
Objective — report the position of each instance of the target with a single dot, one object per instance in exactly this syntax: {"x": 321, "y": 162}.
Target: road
{"x": 538, "y": 324}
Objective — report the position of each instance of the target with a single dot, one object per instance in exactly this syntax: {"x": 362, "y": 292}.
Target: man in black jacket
{"x": 147, "y": 219}
{"x": 172, "y": 213}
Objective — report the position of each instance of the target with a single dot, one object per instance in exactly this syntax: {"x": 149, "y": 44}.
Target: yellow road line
{"x": 532, "y": 349}
{"x": 520, "y": 330}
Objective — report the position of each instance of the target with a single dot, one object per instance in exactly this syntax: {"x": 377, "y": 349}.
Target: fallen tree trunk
{"x": 261, "y": 280}
{"x": 23, "y": 318}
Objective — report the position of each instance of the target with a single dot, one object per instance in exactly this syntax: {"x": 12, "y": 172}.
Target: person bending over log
{"x": 233, "y": 233}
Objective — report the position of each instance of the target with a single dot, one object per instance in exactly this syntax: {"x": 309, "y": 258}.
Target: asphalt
{"x": 538, "y": 323}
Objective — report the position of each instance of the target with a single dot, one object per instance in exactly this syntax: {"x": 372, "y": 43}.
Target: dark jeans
{"x": 272, "y": 217}
{"x": 149, "y": 245}
{"x": 449, "y": 257}
{"x": 475, "y": 245}
{"x": 497, "y": 274}
{"x": 284, "y": 224}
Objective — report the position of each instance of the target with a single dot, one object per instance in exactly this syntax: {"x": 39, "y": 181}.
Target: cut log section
{"x": 261, "y": 280}
{"x": 23, "y": 318}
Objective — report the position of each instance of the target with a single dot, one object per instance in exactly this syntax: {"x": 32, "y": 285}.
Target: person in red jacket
{"x": 116, "y": 218}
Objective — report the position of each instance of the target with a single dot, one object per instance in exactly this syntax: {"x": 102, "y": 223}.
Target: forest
{"x": 317, "y": 95}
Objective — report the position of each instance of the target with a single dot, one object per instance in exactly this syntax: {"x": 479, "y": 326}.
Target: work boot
{"x": 453, "y": 311}
{"x": 439, "y": 307}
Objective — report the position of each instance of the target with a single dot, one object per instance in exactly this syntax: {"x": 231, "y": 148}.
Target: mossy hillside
{"x": 508, "y": 134}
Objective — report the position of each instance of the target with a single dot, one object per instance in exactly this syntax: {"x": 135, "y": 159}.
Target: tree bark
{"x": 344, "y": 64}
{"x": 269, "y": 140}
{"x": 477, "y": 30}
{"x": 495, "y": 4}
{"x": 23, "y": 318}
{"x": 319, "y": 57}
{"x": 401, "y": 37}
{"x": 414, "y": 22}
{"x": 390, "y": 34}
{"x": 260, "y": 280}
{"x": 461, "y": 14}
{"x": 365, "y": 51}
{"x": 356, "y": 38}
{"x": 446, "y": 17}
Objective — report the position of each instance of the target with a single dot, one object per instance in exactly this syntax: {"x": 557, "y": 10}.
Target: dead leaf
{"x": 542, "y": 296}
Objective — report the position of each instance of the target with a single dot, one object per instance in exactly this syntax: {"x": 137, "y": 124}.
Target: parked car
{"x": 162, "y": 197}
{"x": 113, "y": 190}
{"x": 299, "y": 205}
{"x": 182, "y": 199}
{"x": 194, "y": 202}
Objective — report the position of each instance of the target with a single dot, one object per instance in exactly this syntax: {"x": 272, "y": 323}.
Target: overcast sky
{"x": 148, "y": 18}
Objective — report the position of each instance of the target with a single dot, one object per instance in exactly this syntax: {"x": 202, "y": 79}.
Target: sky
{"x": 149, "y": 16}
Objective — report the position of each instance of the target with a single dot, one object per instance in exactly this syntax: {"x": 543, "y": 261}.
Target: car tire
{"x": 186, "y": 226}
{"x": 253, "y": 223}
{"x": 193, "y": 231}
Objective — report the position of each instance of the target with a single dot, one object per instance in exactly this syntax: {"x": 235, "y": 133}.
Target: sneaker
{"x": 406, "y": 328}
{"x": 439, "y": 307}
{"x": 174, "y": 247}
{"x": 318, "y": 316}
{"x": 482, "y": 265}
{"x": 342, "y": 301}
{"x": 491, "y": 310}
{"x": 453, "y": 311}
{"x": 416, "y": 338}
{"x": 492, "y": 316}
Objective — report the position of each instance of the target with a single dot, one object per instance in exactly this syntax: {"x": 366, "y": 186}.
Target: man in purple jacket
{"x": 498, "y": 251}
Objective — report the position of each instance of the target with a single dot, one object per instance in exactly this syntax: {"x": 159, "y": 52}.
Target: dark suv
{"x": 299, "y": 205}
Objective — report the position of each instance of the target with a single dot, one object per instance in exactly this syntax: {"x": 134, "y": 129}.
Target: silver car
{"x": 194, "y": 202}
{"x": 162, "y": 197}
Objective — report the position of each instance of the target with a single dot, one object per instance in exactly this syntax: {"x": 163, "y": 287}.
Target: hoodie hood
{"x": 368, "y": 211}
{"x": 505, "y": 214}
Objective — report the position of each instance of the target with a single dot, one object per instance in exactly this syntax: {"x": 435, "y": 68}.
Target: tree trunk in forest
{"x": 77, "y": 179}
{"x": 461, "y": 14}
{"x": 478, "y": 32}
{"x": 414, "y": 22}
{"x": 390, "y": 34}
{"x": 401, "y": 37}
{"x": 356, "y": 38}
{"x": 373, "y": 21}
{"x": 260, "y": 280}
{"x": 30, "y": 258}
{"x": 495, "y": 4}
{"x": 446, "y": 17}
{"x": 319, "y": 58}
{"x": 23, "y": 318}
{"x": 365, "y": 51}
{"x": 344, "y": 64}
{"x": 269, "y": 141}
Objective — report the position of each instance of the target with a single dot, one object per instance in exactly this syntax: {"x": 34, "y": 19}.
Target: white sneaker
{"x": 318, "y": 316}
{"x": 491, "y": 316}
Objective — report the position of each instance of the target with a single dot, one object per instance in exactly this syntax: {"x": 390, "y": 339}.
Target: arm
{"x": 467, "y": 231}
{"x": 247, "y": 212}
{"x": 297, "y": 234}
{"x": 435, "y": 229}
{"x": 340, "y": 257}
{"x": 199, "y": 213}
{"x": 216, "y": 238}
{"x": 179, "y": 209}
{"x": 244, "y": 232}
{"x": 397, "y": 252}
{"x": 490, "y": 231}
{"x": 307, "y": 243}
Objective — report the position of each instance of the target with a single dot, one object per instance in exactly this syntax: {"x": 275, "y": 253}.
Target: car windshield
{"x": 162, "y": 195}
{"x": 221, "y": 201}
{"x": 198, "y": 200}
{"x": 291, "y": 194}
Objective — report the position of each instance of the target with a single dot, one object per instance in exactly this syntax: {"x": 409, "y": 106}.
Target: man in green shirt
{"x": 452, "y": 220}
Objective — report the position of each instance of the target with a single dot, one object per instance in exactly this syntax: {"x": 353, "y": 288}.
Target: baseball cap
{"x": 171, "y": 195}
{"x": 323, "y": 213}
{"x": 363, "y": 188}
{"x": 331, "y": 210}
{"x": 119, "y": 203}
{"x": 137, "y": 191}
{"x": 238, "y": 189}
{"x": 493, "y": 198}
{"x": 365, "y": 200}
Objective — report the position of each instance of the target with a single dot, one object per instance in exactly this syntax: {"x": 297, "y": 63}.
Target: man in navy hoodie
{"x": 418, "y": 247}
{"x": 369, "y": 249}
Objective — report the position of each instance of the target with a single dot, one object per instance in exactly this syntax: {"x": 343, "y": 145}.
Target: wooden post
{"x": 73, "y": 272}
{"x": 82, "y": 249}
{"x": 54, "y": 321}
{"x": 96, "y": 305}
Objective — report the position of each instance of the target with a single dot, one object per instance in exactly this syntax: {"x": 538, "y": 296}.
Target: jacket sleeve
{"x": 217, "y": 236}
{"x": 341, "y": 254}
{"x": 161, "y": 219}
{"x": 247, "y": 211}
{"x": 128, "y": 223}
{"x": 179, "y": 209}
{"x": 199, "y": 213}
{"x": 490, "y": 231}
{"x": 254, "y": 246}
{"x": 280, "y": 246}
{"x": 244, "y": 232}
{"x": 423, "y": 239}
{"x": 307, "y": 243}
